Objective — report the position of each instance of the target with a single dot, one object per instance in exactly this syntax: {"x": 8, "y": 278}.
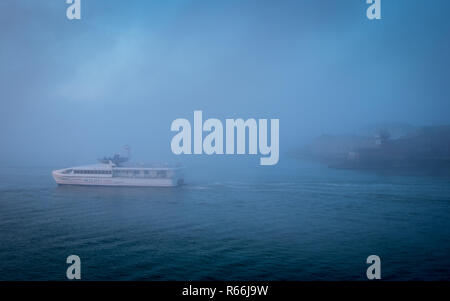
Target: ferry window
{"x": 162, "y": 173}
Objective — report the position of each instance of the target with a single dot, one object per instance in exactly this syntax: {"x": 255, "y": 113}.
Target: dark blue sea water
{"x": 295, "y": 221}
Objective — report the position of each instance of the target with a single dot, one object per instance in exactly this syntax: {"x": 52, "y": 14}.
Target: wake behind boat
{"x": 116, "y": 171}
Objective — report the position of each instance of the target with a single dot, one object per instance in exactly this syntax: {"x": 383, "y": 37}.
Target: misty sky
{"x": 71, "y": 91}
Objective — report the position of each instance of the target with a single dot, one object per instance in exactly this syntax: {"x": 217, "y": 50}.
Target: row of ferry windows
{"x": 93, "y": 172}
{"x": 159, "y": 173}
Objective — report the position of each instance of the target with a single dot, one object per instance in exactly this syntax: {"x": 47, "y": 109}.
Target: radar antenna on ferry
{"x": 127, "y": 152}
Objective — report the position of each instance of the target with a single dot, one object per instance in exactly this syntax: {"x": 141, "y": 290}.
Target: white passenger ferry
{"x": 115, "y": 171}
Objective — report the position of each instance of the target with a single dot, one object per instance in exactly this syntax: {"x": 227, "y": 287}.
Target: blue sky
{"x": 74, "y": 90}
